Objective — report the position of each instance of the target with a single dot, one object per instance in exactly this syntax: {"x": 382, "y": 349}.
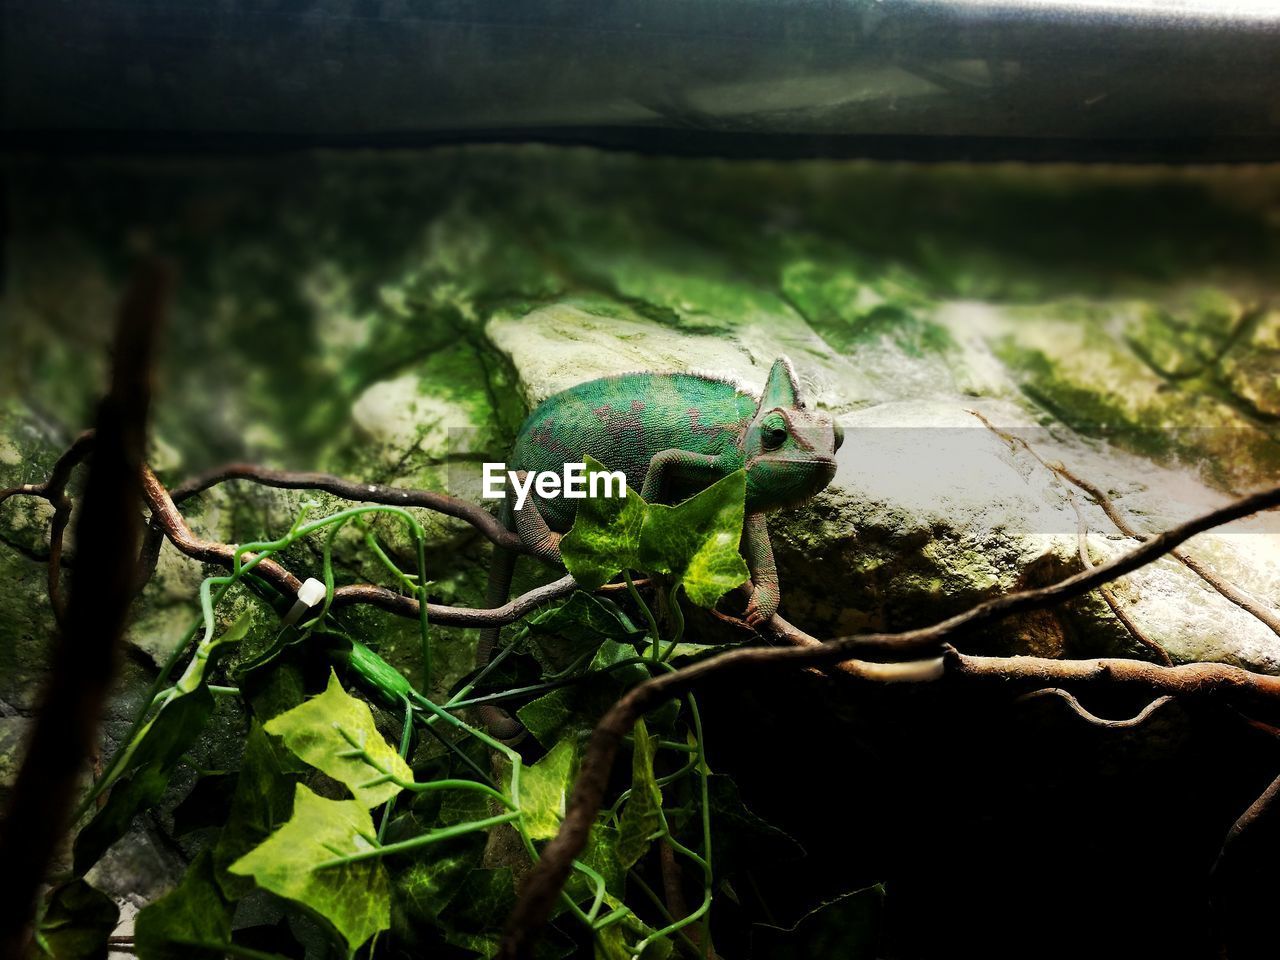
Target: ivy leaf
{"x": 845, "y": 927}
{"x": 191, "y": 922}
{"x": 605, "y": 537}
{"x": 684, "y": 650}
{"x": 697, "y": 541}
{"x": 262, "y": 801}
{"x": 544, "y": 790}
{"x": 573, "y": 711}
{"x": 641, "y": 817}
{"x": 577, "y": 627}
{"x": 76, "y": 923}
{"x": 327, "y": 730}
{"x": 427, "y": 886}
{"x": 739, "y": 837}
{"x": 614, "y": 942}
{"x": 152, "y": 756}
{"x": 467, "y": 922}
{"x": 355, "y": 898}
{"x": 601, "y": 855}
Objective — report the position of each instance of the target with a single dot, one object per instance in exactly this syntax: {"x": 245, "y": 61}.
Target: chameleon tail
{"x": 500, "y": 724}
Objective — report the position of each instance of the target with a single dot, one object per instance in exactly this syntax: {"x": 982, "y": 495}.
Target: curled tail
{"x": 500, "y": 724}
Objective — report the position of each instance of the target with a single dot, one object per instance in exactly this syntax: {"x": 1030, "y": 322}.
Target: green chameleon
{"x": 680, "y": 432}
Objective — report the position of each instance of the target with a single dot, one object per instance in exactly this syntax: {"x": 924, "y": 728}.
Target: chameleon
{"x": 676, "y": 433}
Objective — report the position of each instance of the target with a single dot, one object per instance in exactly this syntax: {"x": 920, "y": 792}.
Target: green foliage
{"x": 75, "y": 923}
{"x": 575, "y": 628}
{"x": 335, "y": 733}
{"x": 694, "y": 542}
{"x": 642, "y": 815}
{"x": 544, "y": 790}
{"x": 427, "y": 885}
{"x": 262, "y": 801}
{"x": 355, "y": 897}
{"x": 191, "y": 922}
{"x": 152, "y": 755}
{"x": 605, "y": 537}
{"x": 572, "y": 711}
{"x": 421, "y": 863}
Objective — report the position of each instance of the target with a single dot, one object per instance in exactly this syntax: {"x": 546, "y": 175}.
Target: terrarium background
{"x": 381, "y": 316}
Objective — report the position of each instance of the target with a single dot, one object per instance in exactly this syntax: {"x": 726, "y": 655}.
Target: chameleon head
{"x": 789, "y": 450}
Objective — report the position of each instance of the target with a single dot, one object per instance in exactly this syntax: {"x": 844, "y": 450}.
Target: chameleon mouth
{"x": 810, "y": 461}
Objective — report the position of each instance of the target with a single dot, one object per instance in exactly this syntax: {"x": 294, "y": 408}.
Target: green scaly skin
{"x": 676, "y": 434}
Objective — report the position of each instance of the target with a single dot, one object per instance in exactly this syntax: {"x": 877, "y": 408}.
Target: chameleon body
{"x": 672, "y": 434}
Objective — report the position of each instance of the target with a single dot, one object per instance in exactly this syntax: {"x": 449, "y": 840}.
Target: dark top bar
{"x": 930, "y": 78}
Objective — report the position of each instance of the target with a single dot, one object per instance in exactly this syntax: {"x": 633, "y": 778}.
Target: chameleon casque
{"x": 676, "y": 433}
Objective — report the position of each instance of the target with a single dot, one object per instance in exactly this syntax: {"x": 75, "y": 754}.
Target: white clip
{"x": 309, "y": 594}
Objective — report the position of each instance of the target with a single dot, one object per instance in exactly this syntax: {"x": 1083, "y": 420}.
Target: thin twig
{"x": 1251, "y": 605}
{"x": 54, "y": 490}
{"x": 1086, "y": 561}
{"x": 1092, "y": 718}
{"x": 1240, "y": 598}
{"x": 176, "y": 529}
{"x": 484, "y": 521}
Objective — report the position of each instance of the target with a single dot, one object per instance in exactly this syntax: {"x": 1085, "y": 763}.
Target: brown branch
{"x": 926, "y": 640}
{"x": 486, "y": 523}
{"x": 1256, "y": 811}
{"x": 1228, "y": 590}
{"x": 164, "y": 512}
{"x": 82, "y": 667}
{"x": 1086, "y": 561}
{"x": 1092, "y": 718}
{"x": 477, "y": 516}
{"x": 509, "y": 612}
{"x": 548, "y": 877}
{"x": 54, "y": 490}
{"x": 170, "y": 519}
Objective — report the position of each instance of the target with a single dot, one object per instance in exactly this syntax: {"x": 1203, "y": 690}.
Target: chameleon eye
{"x": 773, "y": 433}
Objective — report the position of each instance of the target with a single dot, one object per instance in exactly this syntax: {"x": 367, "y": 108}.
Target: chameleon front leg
{"x": 764, "y": 572}
{"x": 542, "y": 541}
{"x": 675, "y": 461}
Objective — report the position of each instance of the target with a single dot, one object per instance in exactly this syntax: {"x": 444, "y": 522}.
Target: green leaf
{"x": 262, "y": 801}
{"x": 191, "y": 922}
{"x": 427, "y": 886}
{"x": 739, "y": 837}
{"x": 469, "y": 920}
{"x": 544, "y": 790}
{"x": 325, "y": 732}
{"x": 354, "y": 897}
{"x": 615, "y": 942}
{"x": 641, "y": 816}
{"x": 683, "y": 650}
{"x": 573, "y": 711}
{"x": 153, "y": 755}
{"x": 569, "y": 631}
{"x": 473, "y": 919}
{"x": 844, "y": 927}
{"x": 696, "y": 542}
{"x": 76, "y": 923}
{"x": 601, "y": 855}
{"x": 605, "y": 537}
